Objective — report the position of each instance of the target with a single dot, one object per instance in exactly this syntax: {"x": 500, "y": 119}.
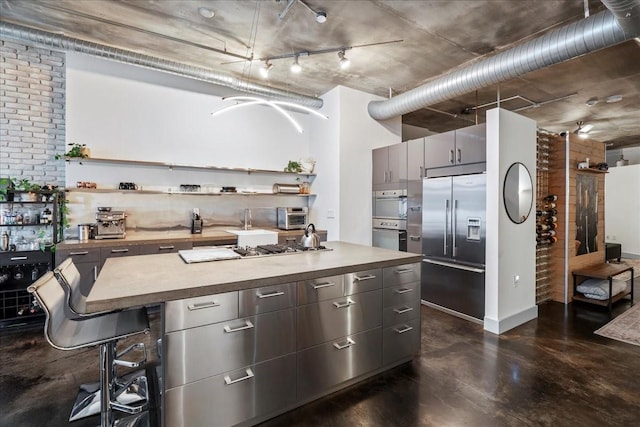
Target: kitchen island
{"x": 248, "y": 339}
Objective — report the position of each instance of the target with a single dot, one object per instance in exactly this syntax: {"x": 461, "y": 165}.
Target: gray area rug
{"x": 635, "y": 263}
{"x": 625, "y": 327}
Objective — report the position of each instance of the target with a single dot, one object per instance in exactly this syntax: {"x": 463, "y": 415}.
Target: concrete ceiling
{"x": 436, "y": 37}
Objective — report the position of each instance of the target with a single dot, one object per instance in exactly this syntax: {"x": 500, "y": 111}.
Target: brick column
{"x": 32, "y": 113}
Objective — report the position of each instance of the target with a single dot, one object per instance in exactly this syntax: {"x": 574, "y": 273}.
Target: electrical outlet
{"x": 516, "y": 280}
{"x": 331, "y": 213}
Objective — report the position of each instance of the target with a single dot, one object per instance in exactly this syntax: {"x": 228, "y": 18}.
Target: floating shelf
{"x": 172, "y": 166}
{"x": 181, "y": 193}
{"x": 591, "y": 170}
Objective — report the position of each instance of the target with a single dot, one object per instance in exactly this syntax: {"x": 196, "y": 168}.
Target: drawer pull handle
{"x": 414, "y": 238}
{"x": 323, "y": 285}
{"x": 18, "y": 258}
{"x": 79, "y": 253}
{"x": 290, "y": 239}
{"x": 347, "y": 303}
{"x": 367, "y": 277}
{"x": 347, "y": 344}
{"x": 119, "y": 251}
{"x": 166, "y": 248}
{"x": 404, "y": 329}
{"x": 404, "y": 270}
{"x": 229, "y": 381}
{"x": 272, "y": 294}
{"x": 403, "y": 290}
{"x": 247, "y": 325}
{"x": 201, "y": 305}
{"x": 403, "y": 310}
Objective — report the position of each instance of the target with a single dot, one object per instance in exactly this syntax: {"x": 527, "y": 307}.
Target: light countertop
{"x": 151, "y": 279}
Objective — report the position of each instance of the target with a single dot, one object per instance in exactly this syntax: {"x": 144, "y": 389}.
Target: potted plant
{"x": 77, "y": 151}
{"x": 293, "y": 167}
{"x": 30, "y": 188}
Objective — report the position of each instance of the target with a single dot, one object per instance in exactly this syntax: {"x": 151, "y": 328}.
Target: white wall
{"x": 123, "y": 111}
{"x": 414, "y": 132}
{"x": 510, "y": 248}
{"x": 632, "y": 154}
{"x": 343, "y": 149}
{"x": 622, "y": 208}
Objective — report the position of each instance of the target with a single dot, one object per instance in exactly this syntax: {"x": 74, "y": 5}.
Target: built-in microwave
{"x": 390, "y": 204}
{"x": 293, "y": 218}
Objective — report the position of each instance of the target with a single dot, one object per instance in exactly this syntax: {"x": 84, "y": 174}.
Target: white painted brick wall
{"x": 32, "y": 113}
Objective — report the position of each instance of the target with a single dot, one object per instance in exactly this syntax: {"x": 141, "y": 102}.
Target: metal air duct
{"x": 58, "y": 41}
{"x": 593, "y": 33}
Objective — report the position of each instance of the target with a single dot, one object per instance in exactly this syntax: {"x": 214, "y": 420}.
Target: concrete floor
{"x": 552, "y": 371}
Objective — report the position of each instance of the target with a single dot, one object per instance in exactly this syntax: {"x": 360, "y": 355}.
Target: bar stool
{"x": 65, "y": 332}
{"x": 133, "y": 390}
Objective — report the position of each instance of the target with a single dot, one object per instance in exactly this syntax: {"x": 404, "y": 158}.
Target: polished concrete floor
{"x": 552, "y": 371}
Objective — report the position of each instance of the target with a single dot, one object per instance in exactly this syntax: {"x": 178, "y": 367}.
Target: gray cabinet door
{"x": 415, "y": 159}
{"x": 380, "y": 166}
{"x": 87, "y": 261}
{"x": 400, "y": 341}
{"x": 397, "y": 165}
{"x": 439, "y": 150}
{"x": 471, "y": 144}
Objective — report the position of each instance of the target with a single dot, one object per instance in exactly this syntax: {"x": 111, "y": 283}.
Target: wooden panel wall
{"x": 579, "y": 150}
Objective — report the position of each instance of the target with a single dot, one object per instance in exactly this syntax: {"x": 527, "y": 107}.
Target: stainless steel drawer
{"x": 362, "y": 281}
{"x": 400, "y": 341}
{"x": 198, "y": 353}
{"x": 401, "y": 274}
{"x": 328, "y": 320}
{"x": 401, "y": 294}
{"x": 322, "y": 289}
{"x": 270, "y": 298}
{"x": 191, "y": 312}
{"x": 233, "y": 397}
{"x": 163, "y": 248}
{"x": 329, "y": 364}
{"x": 401, "y": 312}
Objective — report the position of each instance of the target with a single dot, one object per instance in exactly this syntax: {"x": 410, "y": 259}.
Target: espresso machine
{"x": 110, "y": 224}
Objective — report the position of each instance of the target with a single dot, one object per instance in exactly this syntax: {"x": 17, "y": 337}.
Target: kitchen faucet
{"x": 247, "y": 218}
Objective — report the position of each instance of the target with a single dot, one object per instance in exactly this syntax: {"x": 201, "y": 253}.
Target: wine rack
{"x": 547, "y": 219}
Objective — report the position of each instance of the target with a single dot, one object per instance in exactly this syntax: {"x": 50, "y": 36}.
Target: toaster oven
{"x": 293, "y": 218}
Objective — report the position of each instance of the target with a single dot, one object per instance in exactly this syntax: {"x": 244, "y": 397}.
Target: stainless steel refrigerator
{"x": 453, "y": 243}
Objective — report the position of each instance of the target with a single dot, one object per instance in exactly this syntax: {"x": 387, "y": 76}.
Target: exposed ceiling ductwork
{"x": 58, "y": 41}
{"x": 618, "y": 24}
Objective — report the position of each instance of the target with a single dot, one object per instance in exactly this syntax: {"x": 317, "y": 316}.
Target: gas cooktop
{"x": 276, "y": 249}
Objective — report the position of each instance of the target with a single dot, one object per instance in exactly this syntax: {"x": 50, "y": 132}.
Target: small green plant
{"x": 78, "y": 151}
{"x": 294, "y": 167}
{"x": 26, "y": 185}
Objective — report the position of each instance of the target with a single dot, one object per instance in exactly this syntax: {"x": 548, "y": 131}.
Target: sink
{"x": 255, "y": 237}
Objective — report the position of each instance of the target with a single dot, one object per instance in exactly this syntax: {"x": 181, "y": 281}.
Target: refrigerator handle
{"x": 451, "y": 156}
{"x": 454, "y": 223}
{"x": 446, "y": 226}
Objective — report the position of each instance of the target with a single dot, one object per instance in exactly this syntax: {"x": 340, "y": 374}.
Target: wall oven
{"x": 390, "y": 204}
{"x": 390, "y": 234}
{"x": 390, "y": 219}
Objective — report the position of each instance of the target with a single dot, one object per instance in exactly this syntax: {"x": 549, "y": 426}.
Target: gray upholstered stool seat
{"x": 66, "y": 332}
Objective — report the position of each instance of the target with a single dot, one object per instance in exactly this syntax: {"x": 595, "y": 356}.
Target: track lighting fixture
{"x": 264, "y": 70}
{"x": 344, "y": 61}
{"x": 295, "y": 67}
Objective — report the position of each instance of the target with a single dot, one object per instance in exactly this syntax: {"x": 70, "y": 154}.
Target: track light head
{"x": 344, "y": 61}
{"x": 321, "y": 17}
{"x": 264, "y": 70}
{"x": 295, "y": 67}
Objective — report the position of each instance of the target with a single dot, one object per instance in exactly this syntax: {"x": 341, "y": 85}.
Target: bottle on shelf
{"x": 545, "y": 234}
{"x": 545, "y": 227}
{"x": 551, "y": 198}
{"x": 549, "y": 206}
{"x": 550, "y": 220}
{"x": 546, "y": 240}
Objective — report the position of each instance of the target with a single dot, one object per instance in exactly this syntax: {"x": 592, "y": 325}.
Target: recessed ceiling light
{"x": 321, "y": 17}
{"x": 613, "y": 98}
{"x": 206, "y": 13}
{"x": 592, "y": 101}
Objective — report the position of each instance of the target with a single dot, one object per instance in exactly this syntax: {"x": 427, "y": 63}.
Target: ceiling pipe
{"x": 604, "y": 29}
{"x": 58, "y": 41}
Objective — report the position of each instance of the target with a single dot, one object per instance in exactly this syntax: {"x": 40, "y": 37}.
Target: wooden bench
{"x": 603, "y": 271}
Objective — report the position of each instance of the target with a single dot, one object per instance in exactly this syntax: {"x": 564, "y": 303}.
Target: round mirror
{"x": 518, "y": 193}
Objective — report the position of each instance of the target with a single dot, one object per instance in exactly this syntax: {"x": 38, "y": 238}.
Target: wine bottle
{"x": 550, "y": 198}
{"x": 550, "y": 220}
{"x": 547, "y": 240}
{"x": 549, "y": 206}
{"x": 546, "y": 227}
{"x": 545, "y": 234}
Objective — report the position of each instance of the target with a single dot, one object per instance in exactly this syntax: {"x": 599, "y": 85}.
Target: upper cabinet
{"x": 459, "y": 147}
{"x": 390, "y": 167}
{"x": 415, "y": 159}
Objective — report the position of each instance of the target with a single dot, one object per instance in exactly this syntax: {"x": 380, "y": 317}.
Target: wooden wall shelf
{"x": 591, "y": 170}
